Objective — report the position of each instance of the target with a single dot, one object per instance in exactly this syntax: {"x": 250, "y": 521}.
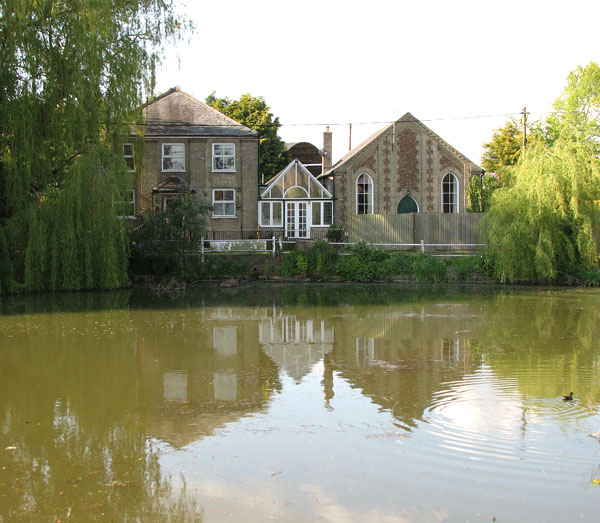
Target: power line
{"x": 505, "y": 115}
{"x": 178, "y": 123}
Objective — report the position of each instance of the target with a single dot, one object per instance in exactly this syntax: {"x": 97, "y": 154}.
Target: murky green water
{"x": 328, "y": 403}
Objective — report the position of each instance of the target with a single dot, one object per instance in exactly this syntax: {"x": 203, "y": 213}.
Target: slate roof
{"x": 176, "y": 113}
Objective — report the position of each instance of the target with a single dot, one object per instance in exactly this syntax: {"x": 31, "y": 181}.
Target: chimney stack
{"x": 327, "y": 150}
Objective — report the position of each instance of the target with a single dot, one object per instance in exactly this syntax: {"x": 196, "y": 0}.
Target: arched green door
{"x": 407, "y": 205}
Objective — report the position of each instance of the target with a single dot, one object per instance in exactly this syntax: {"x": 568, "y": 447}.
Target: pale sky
{"x": 463, "y": 67}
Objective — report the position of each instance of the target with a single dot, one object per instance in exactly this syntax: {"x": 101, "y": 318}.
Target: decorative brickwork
{"x": 446, "y": 162}
{"x": 407, "y": 160}
{"x": 429, "y": 173}
{"x": 368, "y": 163}
{"x": 387, "y": 150}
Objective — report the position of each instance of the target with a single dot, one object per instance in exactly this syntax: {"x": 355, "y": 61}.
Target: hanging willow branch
{"x": 545, "y": 227}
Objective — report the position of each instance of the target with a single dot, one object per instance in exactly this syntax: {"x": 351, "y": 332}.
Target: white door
{"x": 296, "y": 220}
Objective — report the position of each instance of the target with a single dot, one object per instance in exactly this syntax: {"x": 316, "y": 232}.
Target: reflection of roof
{"x": 297, "y": 359}
{"x": 173, "y": 184}
{"x": 176, "y": 113}
{"x": 179, "y": 424}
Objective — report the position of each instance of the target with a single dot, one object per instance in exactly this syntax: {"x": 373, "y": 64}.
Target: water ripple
{"x": 483, "y": 416}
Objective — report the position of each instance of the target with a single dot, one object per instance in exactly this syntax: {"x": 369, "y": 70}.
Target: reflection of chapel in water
{"x": 400, "y": 358}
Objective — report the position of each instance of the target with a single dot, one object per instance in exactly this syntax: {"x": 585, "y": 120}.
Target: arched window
{"x": 450, "y": 194}
{"x": 364, "y": 194}
{"x": 407, "y": 205}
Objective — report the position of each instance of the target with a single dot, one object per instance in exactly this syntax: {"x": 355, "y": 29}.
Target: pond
{"x": 314, "y": 402}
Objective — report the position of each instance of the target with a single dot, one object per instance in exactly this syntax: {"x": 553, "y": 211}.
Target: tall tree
{"x": 72, "y": 75}
{"x": 504, "y": 150}
{"x": 546, "y": 225}
{"x": 253, "y": 112}
{"x": 578, "y": 107}
{"x": 500, "y": 157}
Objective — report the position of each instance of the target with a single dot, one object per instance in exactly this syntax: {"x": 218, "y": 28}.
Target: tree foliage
{"x": 72, "y": 75}
{"x": 164, "y": 237}
{"x": 504, "y": 150}
{"x": 480, "y": 191}
{"x": 76, "y": 240}
{"x": 545, "y": 224}
{"x": 253, "y": 112}
{"x": 543, "y": 227}
{"x": 578, "y": 107}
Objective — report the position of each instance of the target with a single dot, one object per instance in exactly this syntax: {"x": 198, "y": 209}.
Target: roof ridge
{"x": 215, "y": 112}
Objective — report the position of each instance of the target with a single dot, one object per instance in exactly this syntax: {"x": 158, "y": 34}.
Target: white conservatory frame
{"x": 291, "y": 201}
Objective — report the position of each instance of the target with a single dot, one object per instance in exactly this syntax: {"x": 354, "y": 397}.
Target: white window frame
{"x": 216, "y": 203}
{"x": 127, "y": 156}
{"x": 171, "y": 156}
{"x": 371, "y": 205}
{"x": 128, "y": 202}
{"x": 321, "y": 222}
{"x": 270, "y": 204}
{"x": 454, "y": 206}
{"x": 216, "y": 156}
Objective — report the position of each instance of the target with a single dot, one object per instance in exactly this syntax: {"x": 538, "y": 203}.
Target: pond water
{"x": 326, "y": 403}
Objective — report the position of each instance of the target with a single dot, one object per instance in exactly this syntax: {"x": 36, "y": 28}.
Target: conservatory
{"x": 296, "y": 203}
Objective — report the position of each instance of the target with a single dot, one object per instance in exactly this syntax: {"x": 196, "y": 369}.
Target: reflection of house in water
{"x": 206, "y": 372}
{"x": 402, "y": 357}
{"x": 295, "y": 344}
{"x": 203, "y": 373}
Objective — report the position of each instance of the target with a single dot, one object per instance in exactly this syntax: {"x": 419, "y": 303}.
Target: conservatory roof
{"x": 295, "y": 182}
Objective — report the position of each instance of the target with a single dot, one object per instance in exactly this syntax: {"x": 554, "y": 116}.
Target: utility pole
{"x": 524, "y": 113}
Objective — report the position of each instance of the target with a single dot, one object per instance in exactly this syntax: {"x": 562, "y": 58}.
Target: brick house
{"x": 402, "y": 168}
{"x": 190, "y": 147}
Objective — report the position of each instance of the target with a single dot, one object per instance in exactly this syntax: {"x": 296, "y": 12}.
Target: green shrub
{"x": 429, "y": 268}
{"x": 587, "y": 274}
{"x": 464, "y": 267}
{"x": 399, "y": 263}
{"x": 229, "y": 267}
{"x": 319, "y": 260}
{"x": 363, "y": 264}
{"x": 289, "y": 265}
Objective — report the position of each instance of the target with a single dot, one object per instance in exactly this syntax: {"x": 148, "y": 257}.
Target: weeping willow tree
{"x": 76, "y": 241}
{"x": 545, "y": 226}
{"x": 72, "y": 75}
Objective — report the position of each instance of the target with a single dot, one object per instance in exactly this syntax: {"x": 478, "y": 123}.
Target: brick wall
{"x": 198, "y": 172}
